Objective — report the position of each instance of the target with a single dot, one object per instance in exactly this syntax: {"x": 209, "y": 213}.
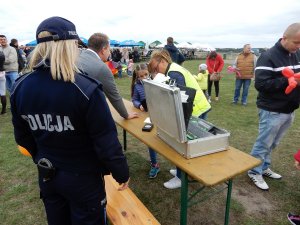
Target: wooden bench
{"x": 124, "y": 208}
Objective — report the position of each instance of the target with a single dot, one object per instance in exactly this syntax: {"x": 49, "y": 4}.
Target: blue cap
{"x": 60, "y": 28}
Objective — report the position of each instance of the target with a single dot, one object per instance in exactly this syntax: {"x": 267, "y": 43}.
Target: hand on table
{"x": 132, "y": 115}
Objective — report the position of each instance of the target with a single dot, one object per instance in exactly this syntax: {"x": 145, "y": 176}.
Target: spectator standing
{"x": 215, "y": 64}
{"x": 2, "y": 83}
{"x": 69, "y": 130}
{"x": 175, "y": 54}
{"x": 125, "y": 55}
{"x": 136, "y": 55}
{"x": 91, "y": 62}
{"x": 130, "y": 68}
{"x": 11, "y": 63}
{"x": 21, "y": 63}
{"x": 244, "y": 64}
{"x": 202, "y": 78}
{"x": 275, "y": 108}
{"x": 138, "y": 97}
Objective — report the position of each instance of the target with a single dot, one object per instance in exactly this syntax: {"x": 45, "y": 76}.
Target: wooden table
{"x": 209, "y": 170}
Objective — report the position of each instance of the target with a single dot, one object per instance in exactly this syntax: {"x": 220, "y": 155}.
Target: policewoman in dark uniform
{"x": 61, "y": 117}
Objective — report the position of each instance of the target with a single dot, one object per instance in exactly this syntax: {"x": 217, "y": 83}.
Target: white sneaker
{"x": 173, "y": 172}
{"x": 259, "y": 181}
{"x": 269, "y": 173}
{"x": 174, "y": 183}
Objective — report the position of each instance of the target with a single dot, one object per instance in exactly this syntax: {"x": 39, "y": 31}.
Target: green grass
{"x": 19, "y": 195}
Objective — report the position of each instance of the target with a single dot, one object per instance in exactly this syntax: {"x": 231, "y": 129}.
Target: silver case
{"x": 166, "y": 113}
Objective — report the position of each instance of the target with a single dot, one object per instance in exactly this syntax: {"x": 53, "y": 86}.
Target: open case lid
{"x": 165, "y": 109}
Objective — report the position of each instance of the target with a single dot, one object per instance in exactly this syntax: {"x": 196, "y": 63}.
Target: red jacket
{"x": 215, "y": 65}
{"x": 297, "y": 156}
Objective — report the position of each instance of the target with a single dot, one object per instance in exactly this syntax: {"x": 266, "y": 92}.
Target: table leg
{"x": 228, "y": 202}
{"x": 124, "y": 140}
{"x": 184, "y": 198}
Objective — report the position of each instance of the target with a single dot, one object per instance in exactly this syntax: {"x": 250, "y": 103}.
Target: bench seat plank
{"x": 124, "y": 208}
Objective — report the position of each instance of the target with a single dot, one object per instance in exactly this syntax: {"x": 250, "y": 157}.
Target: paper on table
{"x": 161, "y": 78}
{"x": 147, "y": 120}
{"x": 183, "y": 96}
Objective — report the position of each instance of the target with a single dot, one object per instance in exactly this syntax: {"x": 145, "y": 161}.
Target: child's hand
{"x": 142, "y": 108}
{"x": 297, "y": 164}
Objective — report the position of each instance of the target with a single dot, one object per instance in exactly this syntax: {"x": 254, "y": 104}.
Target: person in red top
{"x": 215, "y": 64}
{"x": 293, "y": 218}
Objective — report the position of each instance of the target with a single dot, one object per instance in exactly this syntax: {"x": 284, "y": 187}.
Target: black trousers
{"x": 209, "y": 86}
{"x": 73, "y": 199}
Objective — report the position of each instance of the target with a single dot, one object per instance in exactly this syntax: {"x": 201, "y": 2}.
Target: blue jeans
{"x": 204, "y": 115}
{"x": 272, "y": 127}
{"x": 10, "y": 79}
{"x": 238, "y": 84}
{"x": 120, "y": 73}
{"x": 153, "y": 158}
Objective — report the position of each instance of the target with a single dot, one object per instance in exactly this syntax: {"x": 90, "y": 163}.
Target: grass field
{"x": 19, "y": 195}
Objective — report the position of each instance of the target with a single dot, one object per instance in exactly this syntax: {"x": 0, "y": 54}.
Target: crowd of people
{"x": 78, "y": 143}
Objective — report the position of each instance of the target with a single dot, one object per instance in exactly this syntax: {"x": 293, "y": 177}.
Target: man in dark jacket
{"x": 175, "y": 54}
{"x": 21, "y": 63}
{"x": 276, "y": 108}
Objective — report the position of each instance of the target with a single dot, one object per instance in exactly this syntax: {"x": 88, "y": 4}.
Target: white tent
{"x": 163, "y": 45}
{"x": 203, "y": 47}
{"x": 185, "y": 45}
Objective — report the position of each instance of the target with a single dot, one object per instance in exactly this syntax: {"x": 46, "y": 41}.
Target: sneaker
{"x": 217, "y": 98}
{"x": 244, "y": 104}
{"x": 259, "y": 181}
{"x": 173, "y": 172}
{"x": 294, "y": 219}
{"x": 271, "y": 174}
{"x": 154, "y": 171}
{"x": 174, "y": 183}
{"x": 234, "y": 103}
{"x": 209, "y": 99}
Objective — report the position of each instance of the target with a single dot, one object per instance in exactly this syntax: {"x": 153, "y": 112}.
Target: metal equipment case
{"x": 166, "y": 113}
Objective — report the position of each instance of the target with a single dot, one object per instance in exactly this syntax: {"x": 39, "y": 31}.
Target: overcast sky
{"x": 220, "y": 23}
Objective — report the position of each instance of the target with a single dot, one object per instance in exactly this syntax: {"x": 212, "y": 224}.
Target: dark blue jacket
{"x": 270, "y": 82}
{"x": 68, "y": 123}
{"x": 176, "y": 56}
{"x": 138, "y": 94}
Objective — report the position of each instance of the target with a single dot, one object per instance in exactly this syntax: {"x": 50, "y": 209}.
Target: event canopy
{"x": 31, "y": 43}
{"x": 142, "y": 43}
{"x": 163, "y": 45}
{"x": 129, "y": 43}
{"x": 185, "y": 45}
{"x": 154, "y": 44}
{"x": 84, "y": 40}
{"x": 203, "y": 47}
{"x": 114, "y": 43}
